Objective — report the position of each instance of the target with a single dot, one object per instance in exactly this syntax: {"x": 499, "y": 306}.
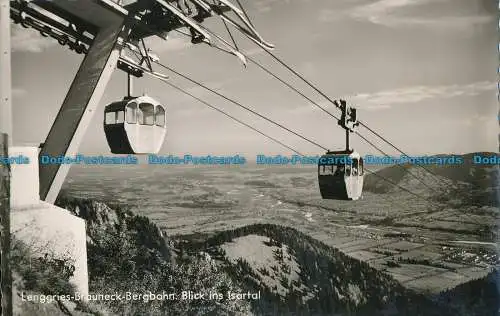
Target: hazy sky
{"x": 421, "y": 72}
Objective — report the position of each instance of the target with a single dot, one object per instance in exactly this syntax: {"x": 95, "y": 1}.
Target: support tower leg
{"x": 130, "y": 85}
{"x": 5, "y": 272}
{"x": 347, "y": 145}
{"x": 5, "y": 141}
{"x": 78, "y": 108}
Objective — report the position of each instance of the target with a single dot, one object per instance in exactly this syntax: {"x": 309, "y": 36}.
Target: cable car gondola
{"x": 135, "y": 125}
{"x": 340, "y": 173}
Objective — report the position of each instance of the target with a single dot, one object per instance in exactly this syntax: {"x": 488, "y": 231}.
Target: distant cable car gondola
{"x": 340, "y": 173}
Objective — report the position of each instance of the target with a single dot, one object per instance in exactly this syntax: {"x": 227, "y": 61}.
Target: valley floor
{"x": 427, "y": 245}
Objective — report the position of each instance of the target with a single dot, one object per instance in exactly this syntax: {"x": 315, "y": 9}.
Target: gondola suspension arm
{"x": 189, "y": 21}
{"x": 248, "y": 31}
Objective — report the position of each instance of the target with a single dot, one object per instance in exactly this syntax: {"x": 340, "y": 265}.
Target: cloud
{"x": 386, "y": 99}
{"x": 29, "y": 40}
{"x": 18, "y": 92}
{"x": 174, "y": 42}
{"x": 263, "y": 8}
{"x": 383, "y": 100}
{"x": 397, "y": 13}
{"x": 328, "y": 15}
{"x": 477, "y": 119}
{"x": 268, "y": 5}
{"x": 380, "y": 10}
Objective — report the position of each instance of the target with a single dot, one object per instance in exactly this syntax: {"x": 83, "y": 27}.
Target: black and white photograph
{"x": 235, "y": 157}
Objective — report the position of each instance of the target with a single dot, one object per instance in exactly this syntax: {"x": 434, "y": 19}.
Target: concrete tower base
{"x": 42, "y": 226}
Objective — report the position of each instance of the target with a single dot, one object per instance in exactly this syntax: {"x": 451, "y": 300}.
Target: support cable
{"x": 262, "y": 67}
{"x": 232, "y": 117}
{"x": 310, "y": 100}
{"x": 416, "y": 195}
{"x": 301, "y": 77}
{"x": 241, "y": 105}
{"x": 285, "y": 128}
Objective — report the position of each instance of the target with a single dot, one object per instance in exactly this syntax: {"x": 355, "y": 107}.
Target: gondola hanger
{"x": 340, "y": 173}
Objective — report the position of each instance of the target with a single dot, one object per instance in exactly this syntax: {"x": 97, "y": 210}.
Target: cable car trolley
{"x": 135, "y": 125}
{"x": 340, "y": 173}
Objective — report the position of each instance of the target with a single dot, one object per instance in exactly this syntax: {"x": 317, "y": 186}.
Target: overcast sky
{"x": 421, "y": 72}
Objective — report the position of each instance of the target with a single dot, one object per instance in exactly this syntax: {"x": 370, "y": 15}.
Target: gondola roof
{"x": 120, "y": 105}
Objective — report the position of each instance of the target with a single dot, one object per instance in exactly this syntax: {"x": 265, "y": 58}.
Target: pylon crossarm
{"x": 248, "y": 29}
{"x": 188, "y": 20}
{"x": 140, "y": 69}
